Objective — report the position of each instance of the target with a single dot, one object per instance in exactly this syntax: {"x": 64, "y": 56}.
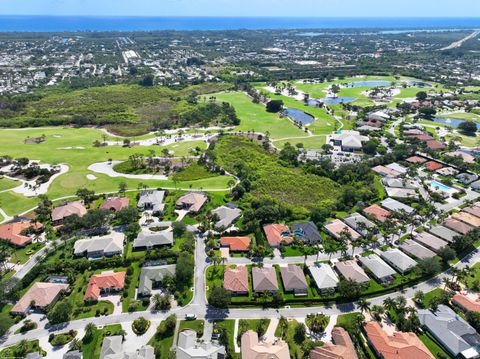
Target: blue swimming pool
{"x": 440, "y": 186}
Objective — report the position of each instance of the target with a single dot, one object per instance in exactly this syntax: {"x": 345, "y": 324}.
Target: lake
{"x": 451, "y": 122}
{"x": 374, "y": 83}
{"x": 299, "y": 116}
{"x": 337, "y": 100}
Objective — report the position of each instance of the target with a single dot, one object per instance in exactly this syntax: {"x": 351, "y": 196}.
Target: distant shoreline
{"x": 27, "y": 23}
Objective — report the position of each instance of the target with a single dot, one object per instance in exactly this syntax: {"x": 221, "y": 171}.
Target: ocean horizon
{"x": 27, "y": 23}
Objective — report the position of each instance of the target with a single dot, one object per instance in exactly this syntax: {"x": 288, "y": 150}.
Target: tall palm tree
{"x": 363, "y": 305}
{"x": 389, "y": 304}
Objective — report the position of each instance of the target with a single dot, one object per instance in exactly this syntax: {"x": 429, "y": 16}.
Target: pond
{"x": 299, "y": 116}
{"x": 419, "y": 84}
{"x": 451, "y": 122}
{"x": 337, "y": 100}
{"x": 377, "y": 83}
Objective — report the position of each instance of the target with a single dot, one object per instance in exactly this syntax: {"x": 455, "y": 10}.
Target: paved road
{"x": 459, "y": 43}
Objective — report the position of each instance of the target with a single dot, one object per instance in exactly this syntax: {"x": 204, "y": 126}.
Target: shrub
{"x": 140, "y": 325}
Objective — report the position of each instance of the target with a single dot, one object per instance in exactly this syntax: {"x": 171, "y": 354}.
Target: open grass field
{"x": 78, "y": 158}
{"x": 467, "y": 141}
{"x": 6, "y": 183}
{"x": 462, "y": 116}
{"x": 254, "y": 117}
{"x": 311, "y": 143}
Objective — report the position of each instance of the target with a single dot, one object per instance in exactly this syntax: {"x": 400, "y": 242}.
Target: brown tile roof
{"x": 416, "y": 159}
{"x": 11, "y": 232}
{"x": 336, "y": 227}
{"x": 457, "y": 226}
{"x": 277, "y": 233}
{"x": 193, "y": 200}
{"x": 473, "y": 210}
{"x": 435, "y": 145}
{"x": 264, "y": 279}
{"x": 293, "y": 278}
{"x": 41, "y": 293}
{"x": 467, "y": 303}
{"x": 236, "y": 243}
{"x": 251, "y": 348}
{"x": 422, "y": 137}
{"x": 400, "y": 345}
{"x": 467, "y": 218}
{"x": 377, "y": 212}
{"x": 236, "y": 279}
{"x": 430, "y": 241}
{"x": 105, "y": 281}
{"x": 385, "y": 171}
{"x": 432, "y": 166}
{"x": 342, "y": 349}
{"x": 116, "y": 203}
{"x": 350, "y": 270}
{"x": 69, "y": 209}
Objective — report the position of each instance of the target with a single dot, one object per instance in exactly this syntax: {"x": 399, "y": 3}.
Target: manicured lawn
{"x": 430, "y": 295}
{"x": 14, "y": 351}
{"x": 310, "y": 143}
{"x": 254, "y": 117}
{"x": 135, "y": 277}
{"x": 5, "y": 315}
{"x": 229, "y": 326}
{"x": 7, "y": 183}
{"x": 434, "y": 347}
{"x": 91, "y": 349}
{"x": 411, "y": 92}
{"x": 462, "y": 116}
{"x": 476, "y": 275}
{"x": 162, "y": 345}
{"x": 467, "y": 141}
{"x": 23, "y": 254}
{"x": 196, "y": 325}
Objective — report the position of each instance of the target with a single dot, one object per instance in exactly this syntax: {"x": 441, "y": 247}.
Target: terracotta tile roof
{"x": 193, "y": 200}
{"x": 113, "y": 280}
{"x": 336, "y": 227}
{"x": 385, "y": 171}
{"x": 41, "y": 293}
{"x": 457, "y": 226}
{"x": 11, "y": 232}
{"x": 277, "y": 233}
{"x": 416, "y": 159}
{"x": 342, "y": 349}
{"x": 467, "y": 303}
{"x": 377, "y": 212}
{"x": 435, "y": 145}
{"x": 467, "y": 218}
{"x": 236, "y": 279}
{"x": 116, "y": 203}
{"x": 236, "y": 243}
{"x": 251, "y": 348}
{"x": 69, "y": 209}
{"x": 432, "y": 166}
{"x": 422, "y": 137}
{"x": 350, "y": 270}
{"x": 473, "y": 210}
{"x": 264, "y": 279}
{"x": 400, "y": 345}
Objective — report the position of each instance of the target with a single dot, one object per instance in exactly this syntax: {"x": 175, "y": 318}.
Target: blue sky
{"x": 313, "y": 8}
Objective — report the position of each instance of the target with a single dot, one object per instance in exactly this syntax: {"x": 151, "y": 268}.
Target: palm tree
{"x": 283, "y": 325}
{"x": 377, "y": 312}
{"x": 389, "y": 304}
{"x": 89, "y": 329}
{"x": 157, "y": 300}
{"x": 75, "y": 344}
{"x": 363, "y": 305}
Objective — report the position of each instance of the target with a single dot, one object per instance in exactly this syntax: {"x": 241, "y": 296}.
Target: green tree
{"x": 60, "y": 313}
{"x": 219, "y": 297}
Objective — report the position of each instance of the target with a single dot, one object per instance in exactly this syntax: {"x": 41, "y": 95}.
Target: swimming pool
{"x": 441, "y": 186}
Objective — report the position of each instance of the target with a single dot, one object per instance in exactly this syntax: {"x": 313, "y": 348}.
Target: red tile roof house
{"x": 235, "y": 280}
{"x": 435, "y": 145}
{"x": 40, "y": 294}
{"x": 416, "y": 160}
{"x": 294, "y": 280}
{"x": 116, "y": 203}
{"x": 400, "y": 345}
{"x": 377, "y": 212}
{"x": 457, "y": 226}
{"x": 69, "y": 209}
{"x": 342, "y": 349}
{"x": 467, "y": 218}
{"x": 236, "y": 244}
{"x": 104, "y": 283}
{"x": 432, "y": 166}
{"x": 277, "y": 234}
{"x": 192, "y": 201}
{"x": 466, "y": 303}
{"x": 264, "y": 279}
{"x": 336, "y": 227}
{"x": 422, "y": 137}
{"x": 13, "y": 232}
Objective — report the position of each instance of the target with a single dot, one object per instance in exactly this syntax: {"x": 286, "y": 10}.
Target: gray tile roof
{"x": 99, "y": 246}
{"x": 355, "y": 218}
{"x": 264, "y": 279}
{"x": 73, "y": 355}
{"x": 443, "y": 232}
{"x": 152, "y": 200}
{"x": 226, "y": 216}
{"x": 431, "y": 241}
{"x": 293, "y": 278}
{"x": 307, "y": 230}
{"x": 415, "y": 249}
{"x": 350, "y": 270}
{"x": 149, "y": 275}
{"x": 399, "y": 260}
{"x": 394, "y": 205}
{"x": 324, "y": 276}
{"x": 450, "y": 329}
{"x": 377, "y": 266}
{"x": 151, "y": 239}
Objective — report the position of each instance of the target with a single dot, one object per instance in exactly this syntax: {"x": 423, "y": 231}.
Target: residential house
{"x": 385, "y": 171}
{"x": 467, "y": 302}
{"x": 350, "y": 270}
{"x": 432, "y": 166}
{"x": 394, "y": 205}
{"x": 398, "y": 183}
{"x": 467, "y": 158}
{"x": 112, "y": 348}
{"x": 235, "y": 280}
{"x": 377, "y": 212}
{"x": 466, "y": 178}
{"x": 149, "y": 239}
{"x": 394, "y": 192}
{"x": 400, "y": 345}
{"x": 380, "y": 270}
{"x": 70, "y": 209}
{"x": 96, "y": 247}
{"x": 151, "y": 277}
{"x": 473, "y": 210}
{"x": 277, "y": 234}
{"x": 115, "y": 203}
{"x": 294, "y": 280}
{"x": 264, "y": 279}
{"x": 475, "y": 185}
{"x": 430, "y": 241}
{"x": 236, "y": 244}
{"x": 453, "y": 333}
{"x": 447, "y": 171}
{"x": 192, "y": 201}
{"x": 467, "y": 218}
{"x": 444, "y": 233}
{"x": 74, "y": 354}
{"x": 397, "y": 167}
{"x": 337, "y": 227}
{"x": 349, "y": 140}
{"x": 226, "y": 216}
{"x": 15, "y": 232}
{"x": 307, "y": 231}
{"x": 417, "y": 160}
{"x": 435, "y": 145}
{"x": 40, "y": 295}
{"x": 252, "y": 348}
{"x": 324, "y": 277}
{"x": 189, "y": 348}
{"x": 359, "y": 223}
{"x": 151, "y": 201}
{"x": 457, "y": 226}
{"x": 342, "y": 347}
{"x": 104, "y": 283}
{"x": 416, "y": 250}
{"x": 398, "y": 260}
